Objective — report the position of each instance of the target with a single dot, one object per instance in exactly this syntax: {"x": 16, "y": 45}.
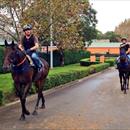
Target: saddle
{"x": 37, "y": 74}
{"x": 30, "y": 61}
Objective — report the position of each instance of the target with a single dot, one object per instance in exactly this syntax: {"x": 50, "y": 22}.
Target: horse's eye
{"x": 17, "y": 53}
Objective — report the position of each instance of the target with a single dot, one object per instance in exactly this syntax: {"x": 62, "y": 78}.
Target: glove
{"x": 28, "y": 51}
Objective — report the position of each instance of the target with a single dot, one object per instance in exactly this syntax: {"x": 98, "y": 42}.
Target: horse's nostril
{"x": 5, "y": 68}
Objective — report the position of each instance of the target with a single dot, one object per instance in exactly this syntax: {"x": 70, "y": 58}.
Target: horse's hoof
{"x": 122, "y": 89}
{"x": 42, "y": 107}
{"x": 22, "y": 118}
{"x": 35, "y": 113}
{"x": 27, "y": 112}
{"x": 125, "y": 92}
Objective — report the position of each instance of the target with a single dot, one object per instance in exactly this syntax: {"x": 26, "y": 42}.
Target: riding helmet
{"x": 27, "y": 27}
{"x": 123, "y": 38}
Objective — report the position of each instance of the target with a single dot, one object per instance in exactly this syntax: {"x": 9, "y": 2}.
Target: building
{"x": 104, "y": 48}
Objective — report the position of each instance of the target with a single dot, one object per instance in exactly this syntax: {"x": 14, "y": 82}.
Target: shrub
{"x": 62, "y": 78}
{"x": 111, "y": 61}
{"x": 73, "y": 56}
{"x": 70, "y": 56}
{"x": 86, "y": 61}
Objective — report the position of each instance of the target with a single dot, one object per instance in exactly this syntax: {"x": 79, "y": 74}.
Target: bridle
{"x": 21, "y": 62}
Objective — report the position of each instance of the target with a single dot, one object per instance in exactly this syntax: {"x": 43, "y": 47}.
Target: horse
{"x": 23, "y": 75}
{"x": 123, "y": 67}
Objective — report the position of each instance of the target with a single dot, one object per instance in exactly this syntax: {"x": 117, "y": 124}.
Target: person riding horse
{"x": 124, "y": 54}
{"x": 29, "y": 43}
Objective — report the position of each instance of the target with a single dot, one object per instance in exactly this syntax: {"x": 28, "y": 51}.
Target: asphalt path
{"x": 94, "y": 103}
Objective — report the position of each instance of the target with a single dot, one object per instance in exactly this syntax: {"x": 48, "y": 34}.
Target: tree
{"x": 11, "y": 13}
{"x": 112, "y": 36}
{"x": 64, "y": 14}
{"x": 123, "y": 29}
{"x": 88, "y": 25}
{"x": 65, "y": 17}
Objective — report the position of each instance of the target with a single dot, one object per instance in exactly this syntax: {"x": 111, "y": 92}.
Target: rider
{"x": 124, "y": 46}
{"x": 29, "y": 43}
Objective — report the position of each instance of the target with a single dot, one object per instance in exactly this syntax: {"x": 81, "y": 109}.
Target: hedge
{"x": 86, "y": 61}
{"x": 70, "y": 57}
{"x": 111, "y": 61}
{"x": 69, "y": 74}
{"x": 62, "y": 78}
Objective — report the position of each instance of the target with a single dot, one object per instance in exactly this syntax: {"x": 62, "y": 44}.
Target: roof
{"x": 105, "y": 44}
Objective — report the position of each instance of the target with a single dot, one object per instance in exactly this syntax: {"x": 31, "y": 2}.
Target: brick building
{"x": 104, "y": 47}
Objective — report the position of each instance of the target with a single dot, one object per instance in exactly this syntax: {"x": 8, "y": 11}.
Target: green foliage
{"x": 73, "y": 56}
{"x": 111, "y": 61}
{"x": 86, "y": 61}
{"x": 112, "y": 36}
{"x": 88, "y": 25}
{"x": 70, "y": 56}
{"x": 63, "y": 15}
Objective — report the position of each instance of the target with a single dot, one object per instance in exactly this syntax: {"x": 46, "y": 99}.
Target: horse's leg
{"x": 128, "y": 81}
{"x": 26, "y": 90}
{"x": 125, "y": 82}
{"x": 121, "y": 83}
{"x": 38, "y": 84}
{"x": 23, "y": 109}
{"x": 23, "y": 101}
{"x": 43, "y": 102}
{"x": 19, "y": 91}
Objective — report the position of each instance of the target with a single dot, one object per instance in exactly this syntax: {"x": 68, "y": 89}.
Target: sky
{"x": 110, "y": 13}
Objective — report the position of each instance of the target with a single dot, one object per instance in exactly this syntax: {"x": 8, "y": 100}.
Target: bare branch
{"x": 14, "y": 22}
{"x": 10, "y": 34}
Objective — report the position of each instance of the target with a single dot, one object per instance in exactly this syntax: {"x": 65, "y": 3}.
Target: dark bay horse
{"x": 24, "y": 75}
{"x": 124, "y": 72}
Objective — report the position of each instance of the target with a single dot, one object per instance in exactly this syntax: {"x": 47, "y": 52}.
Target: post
{"x": 51, "y": 36}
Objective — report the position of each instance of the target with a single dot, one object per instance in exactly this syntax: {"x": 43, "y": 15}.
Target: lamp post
{"x": 51, "y": 36}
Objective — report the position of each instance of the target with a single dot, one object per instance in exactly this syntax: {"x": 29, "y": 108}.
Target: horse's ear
{"x": 13, "y": 44}
{"x": 6, "y": 43}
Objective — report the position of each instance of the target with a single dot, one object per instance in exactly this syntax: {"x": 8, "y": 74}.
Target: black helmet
{"x": 123, "y": 38}
{"x": 27, "y": 27}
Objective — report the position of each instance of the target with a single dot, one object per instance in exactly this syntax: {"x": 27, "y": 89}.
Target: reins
{"x": 21, "y": 62}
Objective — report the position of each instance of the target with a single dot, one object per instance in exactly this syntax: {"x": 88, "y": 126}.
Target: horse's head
{"x": 12, "y": 55}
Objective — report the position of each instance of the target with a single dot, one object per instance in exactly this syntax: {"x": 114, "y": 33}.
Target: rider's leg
{"x": 36, "y": 60}
{"x": 128, "y": 58}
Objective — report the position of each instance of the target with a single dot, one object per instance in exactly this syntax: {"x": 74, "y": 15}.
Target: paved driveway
{"x": 95, "y": 103}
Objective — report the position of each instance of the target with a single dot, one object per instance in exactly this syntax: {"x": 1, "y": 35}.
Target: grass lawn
{"x": 6, "y": 82}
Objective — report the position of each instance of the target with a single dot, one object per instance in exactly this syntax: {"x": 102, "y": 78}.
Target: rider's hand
{"x": 28, "y": 51}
